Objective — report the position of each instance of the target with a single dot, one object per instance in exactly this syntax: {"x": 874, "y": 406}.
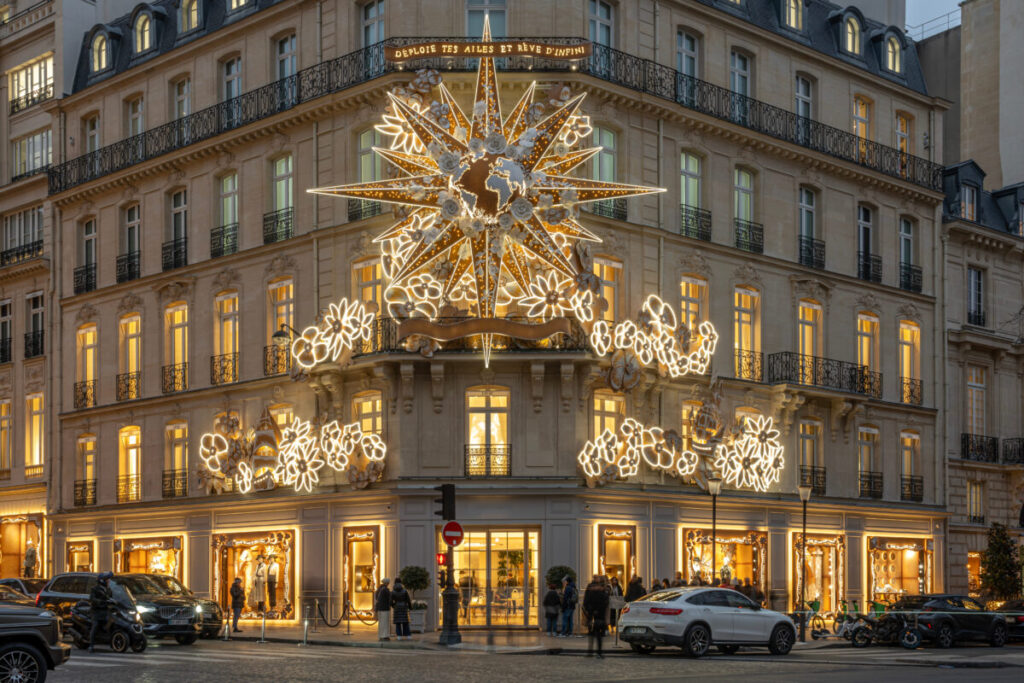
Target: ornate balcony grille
{"x": 1013, "y": 451}
{"x": 384, "y": 339}
{"x": 911, "y": 391}
{"x": 175, "y": 483}
{"x": 175, "y": 378}
{"x": 976, "y": 318}
{"x": 85, "y": 492}
{"x": 36, "y": 96}
{"x": 488, "y": 460}
{"x": 870, "y": 484}
{"x": 910, "y": 277}
{"x": 813, "y": 476}
{"x": 224, "y": 240}
{"x": 827, "y": 373}
{"x": 22, "y": 252}
{"x": 749, "y": 236}
{"x": 5, "y": 350}
{"x": 129, "y": 488}
{"x": 749, "y": 365}
{"x": 609, "y": 208}
{"x": 128, "y": 267}
{"x": 34, "y": 471}
{"x": 979, "y": 448}
{"x": 85, "y": 394}
{"x": 694, "y": 222}
{"x": 869, "y": 267}
{"x": 224, "y": 368}
{"x": 976, "y": 519}
{"x": 85, "y": 278}
{"x": 358, "y": 209}
{"x": 34, "y": 344}
{"x": 128, "y": 386}
{"x": 812, "y": 252}
{"x": 912, "y": 487}
{"x": 277, "y": 226}
{"x": 174, "y": 254}
{"x": 277, "y": 360}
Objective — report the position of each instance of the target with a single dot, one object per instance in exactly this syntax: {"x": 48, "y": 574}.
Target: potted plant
{"x": 416, "y": 579}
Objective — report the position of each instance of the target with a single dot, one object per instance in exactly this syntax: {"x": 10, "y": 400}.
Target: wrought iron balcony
{"x": 488, "y": 460}
{"x": 85, "y": 394}
{"x": 358, "y": 209}
{"x": 813, "y": 476}
{"x": 34, "y": 471}
{"x": 28, "y": 173}
{"x": 870, "y": 484}
{"x": 128, "y": 386}
{"x": 827, "y": 373}
{"x": 976, "y": 519}
{"x": 35, "y": 97}
{"x": 869, "y": 267}
{"x": 85, "y": 492}
{"x": 384, "y": 339}
{"x": 174, "y": 254}
{"x": 129, "y": 488}
{"x": 609, "y": 208}
{"x": 979, "y": 448}
{"x": 910, "y": 277}
{"x": 1013, "y": 451}
{"x": 749, "y": 236}
{"x": 224, "y": 368}
{"x": 175, "y": 483}
{"x": 175, "y": 378}
{"x": 224, "y": 240}
{"x": 34, "y": 344}
{"x": 812, "y": 252}
{"x": 128, "y": 267}
{"x": 912, "y": 487}
{"x": 85, "y": 278}
{"x": 911, "y": 391}
{"x": 277, "y": 360}
{"x": 749, "y": 365}
{"x": 277, "y": 225}
{"x": 5, "y": 350}
{"x": 976, "y": 318}
{"x": 694, "y": 222}
{"x": 22, "y": 252}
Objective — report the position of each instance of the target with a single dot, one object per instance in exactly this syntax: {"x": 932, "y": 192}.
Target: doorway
{"x": 496, "y": 574}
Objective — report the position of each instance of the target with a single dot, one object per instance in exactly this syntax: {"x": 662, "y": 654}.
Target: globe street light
{"x": 714, "y": 488}
{"x": 805, "y": 495}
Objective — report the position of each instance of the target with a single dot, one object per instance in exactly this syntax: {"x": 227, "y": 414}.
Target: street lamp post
{"x": 714, "y": 488}
{"x": 805, "y": 495}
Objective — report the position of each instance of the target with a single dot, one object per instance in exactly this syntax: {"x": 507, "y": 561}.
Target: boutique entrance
{"x": 496, "y": 575}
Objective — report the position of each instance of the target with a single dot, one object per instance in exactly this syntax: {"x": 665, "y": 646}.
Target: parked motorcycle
{"x": 891, "y": 628}
{"x": 122, "y": 630}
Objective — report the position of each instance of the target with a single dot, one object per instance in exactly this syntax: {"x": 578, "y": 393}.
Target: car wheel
{"x": 910, "y": 638}
{"x": 944, "y": 636}
{"x": 21, "y": 663}
{"x": 186, "y": 640}
{"x": 139, "y": 644}
{"x": 641, "y": 649}
{"x": 119, "y": 641}
{"x": 998, "y": 638}
{"x": 697, "y": 641}
{"x": 861, "y": 637}
{"x": 782, "y": 640}
{"x": 728, "y": 649}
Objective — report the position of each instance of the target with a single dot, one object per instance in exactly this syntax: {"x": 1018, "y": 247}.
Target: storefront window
{"x": 20, "y": 539}
{"x": 824, "y": 570}
{"x": 149, "y": 555}
{"x": 974, "y": 574}
{"x": 739, "y": 555}
{"x": 362, "y": 568}
{"x": 265, "y": 561}
{"x": 496, "y": 575}
{"x": 617, "y": 552}
{"x": 79, "y": 556}
{"x": 899, "y": 567}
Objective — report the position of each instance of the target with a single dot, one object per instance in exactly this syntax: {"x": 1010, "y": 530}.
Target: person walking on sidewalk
{"x": 237, "y": 603}
{"x": 635, "y": 590}
{"x": 401, "y": 603}
{"x": 614, "y": 593}
{"x": 382, "y": 606}
{"x": 570, "y": 597}
{"x": 595, "y": 607}
{"x": 551, "y": 604}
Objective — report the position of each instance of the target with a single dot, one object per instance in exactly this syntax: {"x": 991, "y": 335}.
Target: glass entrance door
{"x": 495, "y": 573}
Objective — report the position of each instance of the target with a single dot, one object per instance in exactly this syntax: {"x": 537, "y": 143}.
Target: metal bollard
{"x": 305, "y": 630}
{"x": 348, "y": 619}
{"x": 263, "y": 633}
{"x": 227, "y": 625}
{"x": 316, "y": 614}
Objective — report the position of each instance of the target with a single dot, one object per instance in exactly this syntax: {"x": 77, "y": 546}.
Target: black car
{"x": 946, "y": 619}
{"x": 212, "y": 615}
{"x": 29, "y": 643}
{"x": 8, "y": 594}
{"x": 1013, "y": 610}
{"x": 29, "y": 587}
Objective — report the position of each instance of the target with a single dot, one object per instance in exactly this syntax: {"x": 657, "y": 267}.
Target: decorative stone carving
{"x": 5, "y": 383}
{"x": 278, "y": 393}
{"x": 746, "y": 274}
{"x": 86, "y": 313}
{"x": 224, "y": 279}
{"x": 537, "y": 385}
{"x": 175, "y": 290}
{"x": 811, "y": 288}
{"x": 408, "y": 386}
{"x": 844, "y": 412}
{"x": 567, "y": 371}
{"x": 437, "y": 386}
{"x": 908, "y": 311}
{"x": 282, "y": 264}
{"x": 364, "y": 246}
{"x": 694, "y": 262}
{"x": 34, "y": 376}
{"x": 130, "y": 303}
{"x": 868, "y": 302}
{"x": 785, "y": 404}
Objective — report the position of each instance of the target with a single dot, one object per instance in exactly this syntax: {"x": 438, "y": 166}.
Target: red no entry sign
{"x": 452, "y": 533}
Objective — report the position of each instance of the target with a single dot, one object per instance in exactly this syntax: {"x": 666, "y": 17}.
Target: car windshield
{"x": 139, "y": 585}
{"x": 168, "y": 584}
{"x": 8, "y": 593}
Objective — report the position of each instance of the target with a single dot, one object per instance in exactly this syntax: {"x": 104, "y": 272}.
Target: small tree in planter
{"x": 557, "y": 573}
{"x": 416, "y": 579}
{"x": 1000, "y": 565}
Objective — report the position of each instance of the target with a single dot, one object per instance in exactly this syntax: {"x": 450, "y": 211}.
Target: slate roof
{"x": 999, "y": 210}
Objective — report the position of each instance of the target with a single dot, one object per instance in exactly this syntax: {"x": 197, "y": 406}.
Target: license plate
{"x": 633, "y": 629}
{"x": 179, "y": 622}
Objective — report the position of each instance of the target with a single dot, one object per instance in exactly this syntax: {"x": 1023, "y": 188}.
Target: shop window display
{"x": 974, "y": 574}
{"x": 496, "y": 574}
{"x": 265, "y": 561}
{"x": 617, "y": 552}
{"x": 825, "y": 568}
{"x": 20, "y": 539}
{"x": 149, "y": 555}
{"x": 362, "y": 568}
{"x": 899, "y": 567}
{"x": 739, "y": 555}
{"x": 79, "y": 556}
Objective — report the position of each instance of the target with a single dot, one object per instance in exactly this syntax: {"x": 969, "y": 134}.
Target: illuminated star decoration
{"x": 488, "y": 195}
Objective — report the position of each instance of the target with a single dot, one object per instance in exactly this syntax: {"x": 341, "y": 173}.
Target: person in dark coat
{"x": 614, "y": 591}
{"x": 570, "y": 598}
{"x": 552, "y": 603}
{"x": 595, "y": 607}
{"x": 100, "y": 598}
{"x": 382, "y": 606}
{"x": 237, "y": 603}
{"x": 401, "y": 603}
{"x": 635, "y": 590}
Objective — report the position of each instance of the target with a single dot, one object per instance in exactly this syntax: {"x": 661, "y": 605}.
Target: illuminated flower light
{"x": 300, "y": 457}
{"x": 616, "y": 456}
{"x": 753, "y": 460}
{"x": 345, "y": 325}
{"x": 547, "y": 297}
{"x": 601, "y": 338}
{"x": 595, "y": 458}
{"x": 624, "y": 373}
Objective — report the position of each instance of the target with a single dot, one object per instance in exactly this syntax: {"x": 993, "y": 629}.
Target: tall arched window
{"x": 893, "y": 55}
{"x": 85, "y": 470}
{"x": 851, "y": 35}
{"x": 129, "y": 472}
{"x": 99, "y": 53}
{"x": 175, "y": 475}
{"x": 143, "y": 33}
{"x": 189, "y": 15}
{"x": 487, "y": 430}
{"x": 746, "y": 333}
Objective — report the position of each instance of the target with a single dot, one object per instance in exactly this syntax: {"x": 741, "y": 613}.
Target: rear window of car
{"x": 34, "y": 585}
{"x": 61, "y": 584}
{"x": 662, "y": 596}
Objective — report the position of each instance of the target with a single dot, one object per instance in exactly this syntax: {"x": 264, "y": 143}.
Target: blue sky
{"x": 919, "y": 11}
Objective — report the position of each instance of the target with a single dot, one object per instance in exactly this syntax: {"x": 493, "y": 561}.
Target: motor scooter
{"x": 122, "y": 629}
{"x": 891, "y": 628}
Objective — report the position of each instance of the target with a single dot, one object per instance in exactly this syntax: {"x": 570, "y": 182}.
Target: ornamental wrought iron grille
{"x": 85, "y": 492}
{"x": 128, "y": 385}
{"x": 813, "y": 476}
{"x": 23, "y": 252}
{"x": 869, "y": 266}
{"x": 277, "y": 225}
{"x": 174, "y": 378}
{"x": 979, "y": 448}
{"x": 911, "y": 391}
{"x": 128, "y": 267}
{"x": 34, "y": 343}
{"x": 85, "y": 394}
{"x": 910, "y": 277}
{"x": 749, "y": 236}
{"x": 812, "y": 252}
{"x": 360, "y": 209}
{"x": 224, "y": 368}
{"x": 912, "y": 487}
{"x": 85, "y": 278}
{"x": 224, "y": 240}
{"x": 175, "y": 483}
{"x": 870, "y": 484}
{"x": 491, "y": 460}
{"x": 694, "y": 222}
{"x": 129, "y": 488}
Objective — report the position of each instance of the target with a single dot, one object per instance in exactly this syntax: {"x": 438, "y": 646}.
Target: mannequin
{"x": 30, "y": 560}
{"x": 259, "y": 584}
{"x": 272, "y": 575}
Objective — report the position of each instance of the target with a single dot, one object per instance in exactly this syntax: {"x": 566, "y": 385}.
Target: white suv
{"x": 695, "y": 618}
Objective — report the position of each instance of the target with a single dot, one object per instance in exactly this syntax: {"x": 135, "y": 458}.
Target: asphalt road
{"x": 247, "y": 661}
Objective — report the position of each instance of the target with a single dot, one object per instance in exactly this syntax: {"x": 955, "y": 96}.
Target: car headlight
{"x": 145, "y": 609}
{"x": 199, "y": 609}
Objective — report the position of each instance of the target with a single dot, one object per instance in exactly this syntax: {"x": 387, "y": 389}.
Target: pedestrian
{"x": 737, "y": 584}
{"x": 678, "y": 581}
{"x": 570, "y": 597}
{"x": 237, "y": 603}
{"x": 382, "y": 606}
{"x": 695, "y": 580}
{"x": 401, "y": 603}
{"x": 100, "y": 598}
{"x": 747, "y": 589}
{"x": 595, "y": 607}
{"x": 665, "y": 583}
{"x": 552, "y": 602}
{"x": 614, "y": 595}
{"x": 758, "y": 595}
{"x": 635, "y": 589}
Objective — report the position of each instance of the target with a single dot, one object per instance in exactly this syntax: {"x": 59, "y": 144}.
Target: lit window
{"x": 31, "y": 153}
{"x": 226, "y": 331}
{"x": 609, "y": 272}
{"x": 369, "y": 161}
{"x": 969, "y": 202}
{"x": 136, "y": 121}
{"x": 282, "y": 415}
{"x": 176, "y": 334}
{"x": 903, "y": 134}
{"x": 862, "y": 125}
{"x": 867, "y": 340}
{"x": 810, "y": 443}
{"x": 851, "y": 35}
{"x": 867, "y": 442}
{"x": 282, "y": 183}
{"x": 143, "y": 34}
{"x": 487, "y": 450}
{"x": 5, "y": 436}
{"x": 689, "y": 415}
{"x": 85, "y": 467}
{"x": 236, "y": 4}
{"x": 176, "y": 446}
{"x": 282, "y": 301}
{"x": 910, "y": 348}
{"x": 189, "y": 15}
{"x": 129, "y": 485}
{"x": 31, "y": 83}
{"x": 85, "y": 347}
{"x": 976, "y": 395}
{"x": 743, "y": 194}
{"x": 910, "y": 453}
{"x": 746, "y": 333}
{"x": 130, "y": 343}
{"x": 368, "y": 412}
{"x": 976, "y": 502}
{"x": 893, "y": 55}
{"x": 601, "y": 23}
{"x": 373, "y": 22}
{"x": 495, "y": 12}
{"x": 99, "y": 53}
{"x": 229, "y": 199}
{"x": 794, "y": 14}
{"x": 34, "y": 431}
{"x": 369, "y": 281}
{"x": 694, "y": 292}
{"x": 609, "y": 411}
{"x": 809, "y": 328}
{"x": 689, "y": 181}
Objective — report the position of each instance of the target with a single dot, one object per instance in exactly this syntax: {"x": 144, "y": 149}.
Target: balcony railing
{"x": 358, "y": 209}
{"x": 827, "y": 373}
{"x": 870, "y": 484}
{"x": 812, "y": 252}
{"x": 224, "y": 240}
{"x": 128, "y": 386}
{"x": 85, "y": 394}
{"x": 175, "y": 378}
{"x": 813, "y": 476}
{"x": 976, "y": 519}
{"x": 175, "y": 483}
{"x": 5, "y": 350}
{"x": 128, "y": 267}
{"x": 749, "y": 365}
{"x": 609, "y": 208}
{"x": 277, "y": 226}
{"x": 85, "y": 278}
{"x": 28, "y": 99}
{"x": 277, "y": 360}
{"x": 1013, "y": 451}
{"x": 869, "y": 267}
{"x": 19, "y": 21}
{"x": 224, "y": 368}
{"x": 129, "y": 488}
{"x": 34, "y": 344}
{"x": 976, "y": 318}
{"x": 605, "y": 63}
{"x": 174, "y": 254}
{"x": 488, "y": 460}
{"x": 911, "y": 391}
{"x": 910, "y": 277}
{"x": 384, "y": 339}
{"x": 694, "y": 222}
{"x": 22, "y": 252}
{"x": 912, "y": 487}
{"x": 85, "y": 492}
{"x": 749, "y": 236}
{"x": 979, "y": 448}
{"x": 34, "y": 471}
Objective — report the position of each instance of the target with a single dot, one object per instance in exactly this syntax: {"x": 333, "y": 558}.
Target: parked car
{"x": 8, "y": 594}
{"x": 945, "y": 619}
{"x": 1014, "y": 613}
{"x": 29, "y": 643}
{"x": 695, "y": 618}
{"x": 28, "y": 587}
{"x": 212, "y": 615}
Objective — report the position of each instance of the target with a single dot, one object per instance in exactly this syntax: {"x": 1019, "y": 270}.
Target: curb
{"x": 380, "y": 645}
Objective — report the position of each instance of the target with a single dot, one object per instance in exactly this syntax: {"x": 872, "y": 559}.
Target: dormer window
{"x": 969, "y": 198}
{"x": 143, "y": 33}
{"x": 851, "y": 35}
{"x": 99, "y": 53}
{"x": 189, "y": 15}
{"x": 893, "y": 55}
{"x": 236, "y": 4}
{"x": 794, "y": 16}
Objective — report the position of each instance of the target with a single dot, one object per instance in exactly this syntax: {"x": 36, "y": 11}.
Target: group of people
{"x": 392, "y": 605}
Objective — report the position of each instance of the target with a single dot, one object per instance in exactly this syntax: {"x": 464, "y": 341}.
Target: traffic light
{"x": 441, "y": 558}
{"x": 447, "y": 501}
